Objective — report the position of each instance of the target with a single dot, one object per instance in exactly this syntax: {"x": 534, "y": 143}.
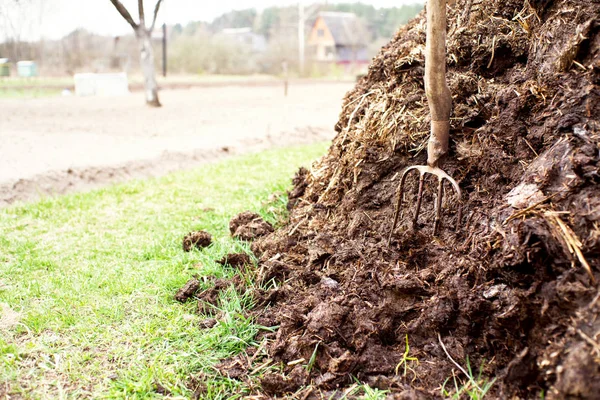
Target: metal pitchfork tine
{"x": 440, "y": 104}
{"x": 425, "y": 169}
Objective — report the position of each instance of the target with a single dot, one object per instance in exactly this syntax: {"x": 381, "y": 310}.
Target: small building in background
{"x": 340, "y": 38}
{"x": 92, "y": 84}
{"x": 5, "y": 66}
{"x": 27, "y": 69}
{"x": 256, "y": 42}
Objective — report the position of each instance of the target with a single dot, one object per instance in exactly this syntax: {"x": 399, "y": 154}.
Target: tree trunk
{"x": 147, "y": 64}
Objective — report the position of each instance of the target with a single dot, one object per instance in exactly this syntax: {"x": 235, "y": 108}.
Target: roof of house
{"x": 347, "y": 29}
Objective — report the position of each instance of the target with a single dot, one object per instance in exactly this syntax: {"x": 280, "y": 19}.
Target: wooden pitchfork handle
{"x": 436, "y": 88}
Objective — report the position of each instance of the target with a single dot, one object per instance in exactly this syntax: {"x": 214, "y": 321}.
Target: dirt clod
{"x": 198, "y": 239}
{"x": 197, "y": 385}
{"x": 300, "y": 183}
{"x": 208, "y": 323}
{"x": 236, "y": 260}
{"x": 249, "y": 226}
{"x": 160, "y": 389}
{"x": 188, "y": 290}
{"x": 276, "y": 384}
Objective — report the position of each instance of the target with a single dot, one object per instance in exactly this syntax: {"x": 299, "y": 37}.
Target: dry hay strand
{"x": 568, "y": 238}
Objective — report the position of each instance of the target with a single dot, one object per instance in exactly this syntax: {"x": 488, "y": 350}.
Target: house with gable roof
{"x": 340, "y": 38}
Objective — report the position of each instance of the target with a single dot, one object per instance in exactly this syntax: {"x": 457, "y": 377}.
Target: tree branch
{"x": 124, "y": 13}
{"x": 156, "y": 8}
{"x": 141, "y": 11}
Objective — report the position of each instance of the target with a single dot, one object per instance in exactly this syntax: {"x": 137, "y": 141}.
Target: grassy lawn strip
{"x": 29, "y": 93}
{"x": 41, "y": 86}
{"x": 87, "y": 282}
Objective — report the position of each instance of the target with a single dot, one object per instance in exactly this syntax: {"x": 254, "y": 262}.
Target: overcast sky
{"x": 59, "y": 17}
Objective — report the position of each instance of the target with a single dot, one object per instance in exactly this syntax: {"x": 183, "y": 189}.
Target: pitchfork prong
{"x": 400, "y": 196}
{"x": 419, "y": 199}
{"x": 441, "y": 175}
{"x": 438, "y": 206}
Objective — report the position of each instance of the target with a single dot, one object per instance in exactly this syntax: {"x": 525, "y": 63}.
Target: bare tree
{"x": 144, "y": 38}
{"x": 304, "y": 14}
{"x": 19, "y": 23}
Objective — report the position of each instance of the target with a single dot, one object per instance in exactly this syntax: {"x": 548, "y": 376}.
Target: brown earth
{"x": 514, "y": 291}
{"x": 199, "y": 240}
{"x": 55, "y": 145}
{"x": 188, "y": 290}
{"x": 236, "y": 260}
{"x": 249, "y": 226}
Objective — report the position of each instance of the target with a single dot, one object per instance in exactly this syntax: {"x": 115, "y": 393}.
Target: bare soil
{"x": 235, "y": 260}
{"x": 249, "y": 226}
{"x": 199, "y": 240}
{"x": 510, "y": 288}
{"x": 63, "y": 144}
{"x": 188, "y": 290}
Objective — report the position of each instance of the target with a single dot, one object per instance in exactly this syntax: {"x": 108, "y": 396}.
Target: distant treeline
{"x": 202, "y": 47}
{"x": 381, "y": 22}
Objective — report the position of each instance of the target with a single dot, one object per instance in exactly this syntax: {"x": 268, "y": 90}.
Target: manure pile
{"x": 513, "y": 291}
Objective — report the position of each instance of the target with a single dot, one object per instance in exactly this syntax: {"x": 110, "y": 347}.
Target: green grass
{"x": 476, "y": 387}
{"x": 38, "y": 81}
{"x": 29, "y": 93}
{"x": 27, "y": 88}
{"x": 41, "y": 86}
{"x": 93, "y": 275}
{"x": 67, "y": 81}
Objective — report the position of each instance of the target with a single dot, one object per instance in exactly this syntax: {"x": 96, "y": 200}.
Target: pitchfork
{"x": 440, "y": 103}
